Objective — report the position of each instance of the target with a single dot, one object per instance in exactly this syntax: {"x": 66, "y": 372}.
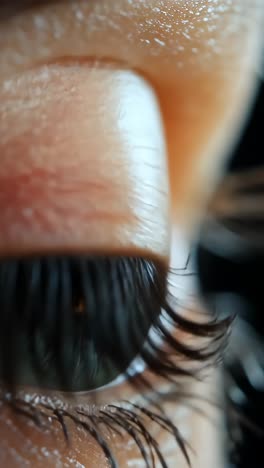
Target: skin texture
{"x": 200, "y": 59}
{"x": 89, "y": 136}
{"x": 198, "y": 56}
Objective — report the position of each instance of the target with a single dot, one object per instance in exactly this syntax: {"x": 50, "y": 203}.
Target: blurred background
{"x": 242, "y": 276}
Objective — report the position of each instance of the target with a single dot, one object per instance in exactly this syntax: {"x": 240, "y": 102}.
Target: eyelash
{"x": 120, "y": 294}
{"x": 130, "y": 418}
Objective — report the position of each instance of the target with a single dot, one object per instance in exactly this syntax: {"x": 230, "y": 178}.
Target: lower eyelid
{"x": 25, "y": 444}
{"x": 44, "y": 449}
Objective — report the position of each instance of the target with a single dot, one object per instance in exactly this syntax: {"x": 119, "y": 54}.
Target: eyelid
{"x": 185, "y": 68}
{"x": 89, "y": 152}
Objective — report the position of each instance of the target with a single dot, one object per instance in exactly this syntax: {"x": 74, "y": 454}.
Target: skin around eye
{"x": 190, "y": 53}
{"x": 185, "y": 57}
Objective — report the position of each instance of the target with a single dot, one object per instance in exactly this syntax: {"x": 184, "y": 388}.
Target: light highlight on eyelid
{"x": 86, "y": 170}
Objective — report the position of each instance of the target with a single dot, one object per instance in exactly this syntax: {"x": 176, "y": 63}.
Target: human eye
{"x": 115, "y": 119}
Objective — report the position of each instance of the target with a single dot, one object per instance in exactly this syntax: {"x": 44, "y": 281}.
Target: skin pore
{"x": 73, "y": 75}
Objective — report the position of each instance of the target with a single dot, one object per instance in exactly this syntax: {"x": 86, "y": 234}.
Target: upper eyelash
{"x": 121, "y": 299}
{"x": 44, "y": 294}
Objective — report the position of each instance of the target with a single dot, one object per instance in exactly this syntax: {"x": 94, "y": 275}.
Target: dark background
{"x": 246, "y": 278}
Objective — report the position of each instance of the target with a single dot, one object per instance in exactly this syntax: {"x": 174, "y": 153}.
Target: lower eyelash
{"x": 126, "y": 418}
{"x": 118, "y": 301}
